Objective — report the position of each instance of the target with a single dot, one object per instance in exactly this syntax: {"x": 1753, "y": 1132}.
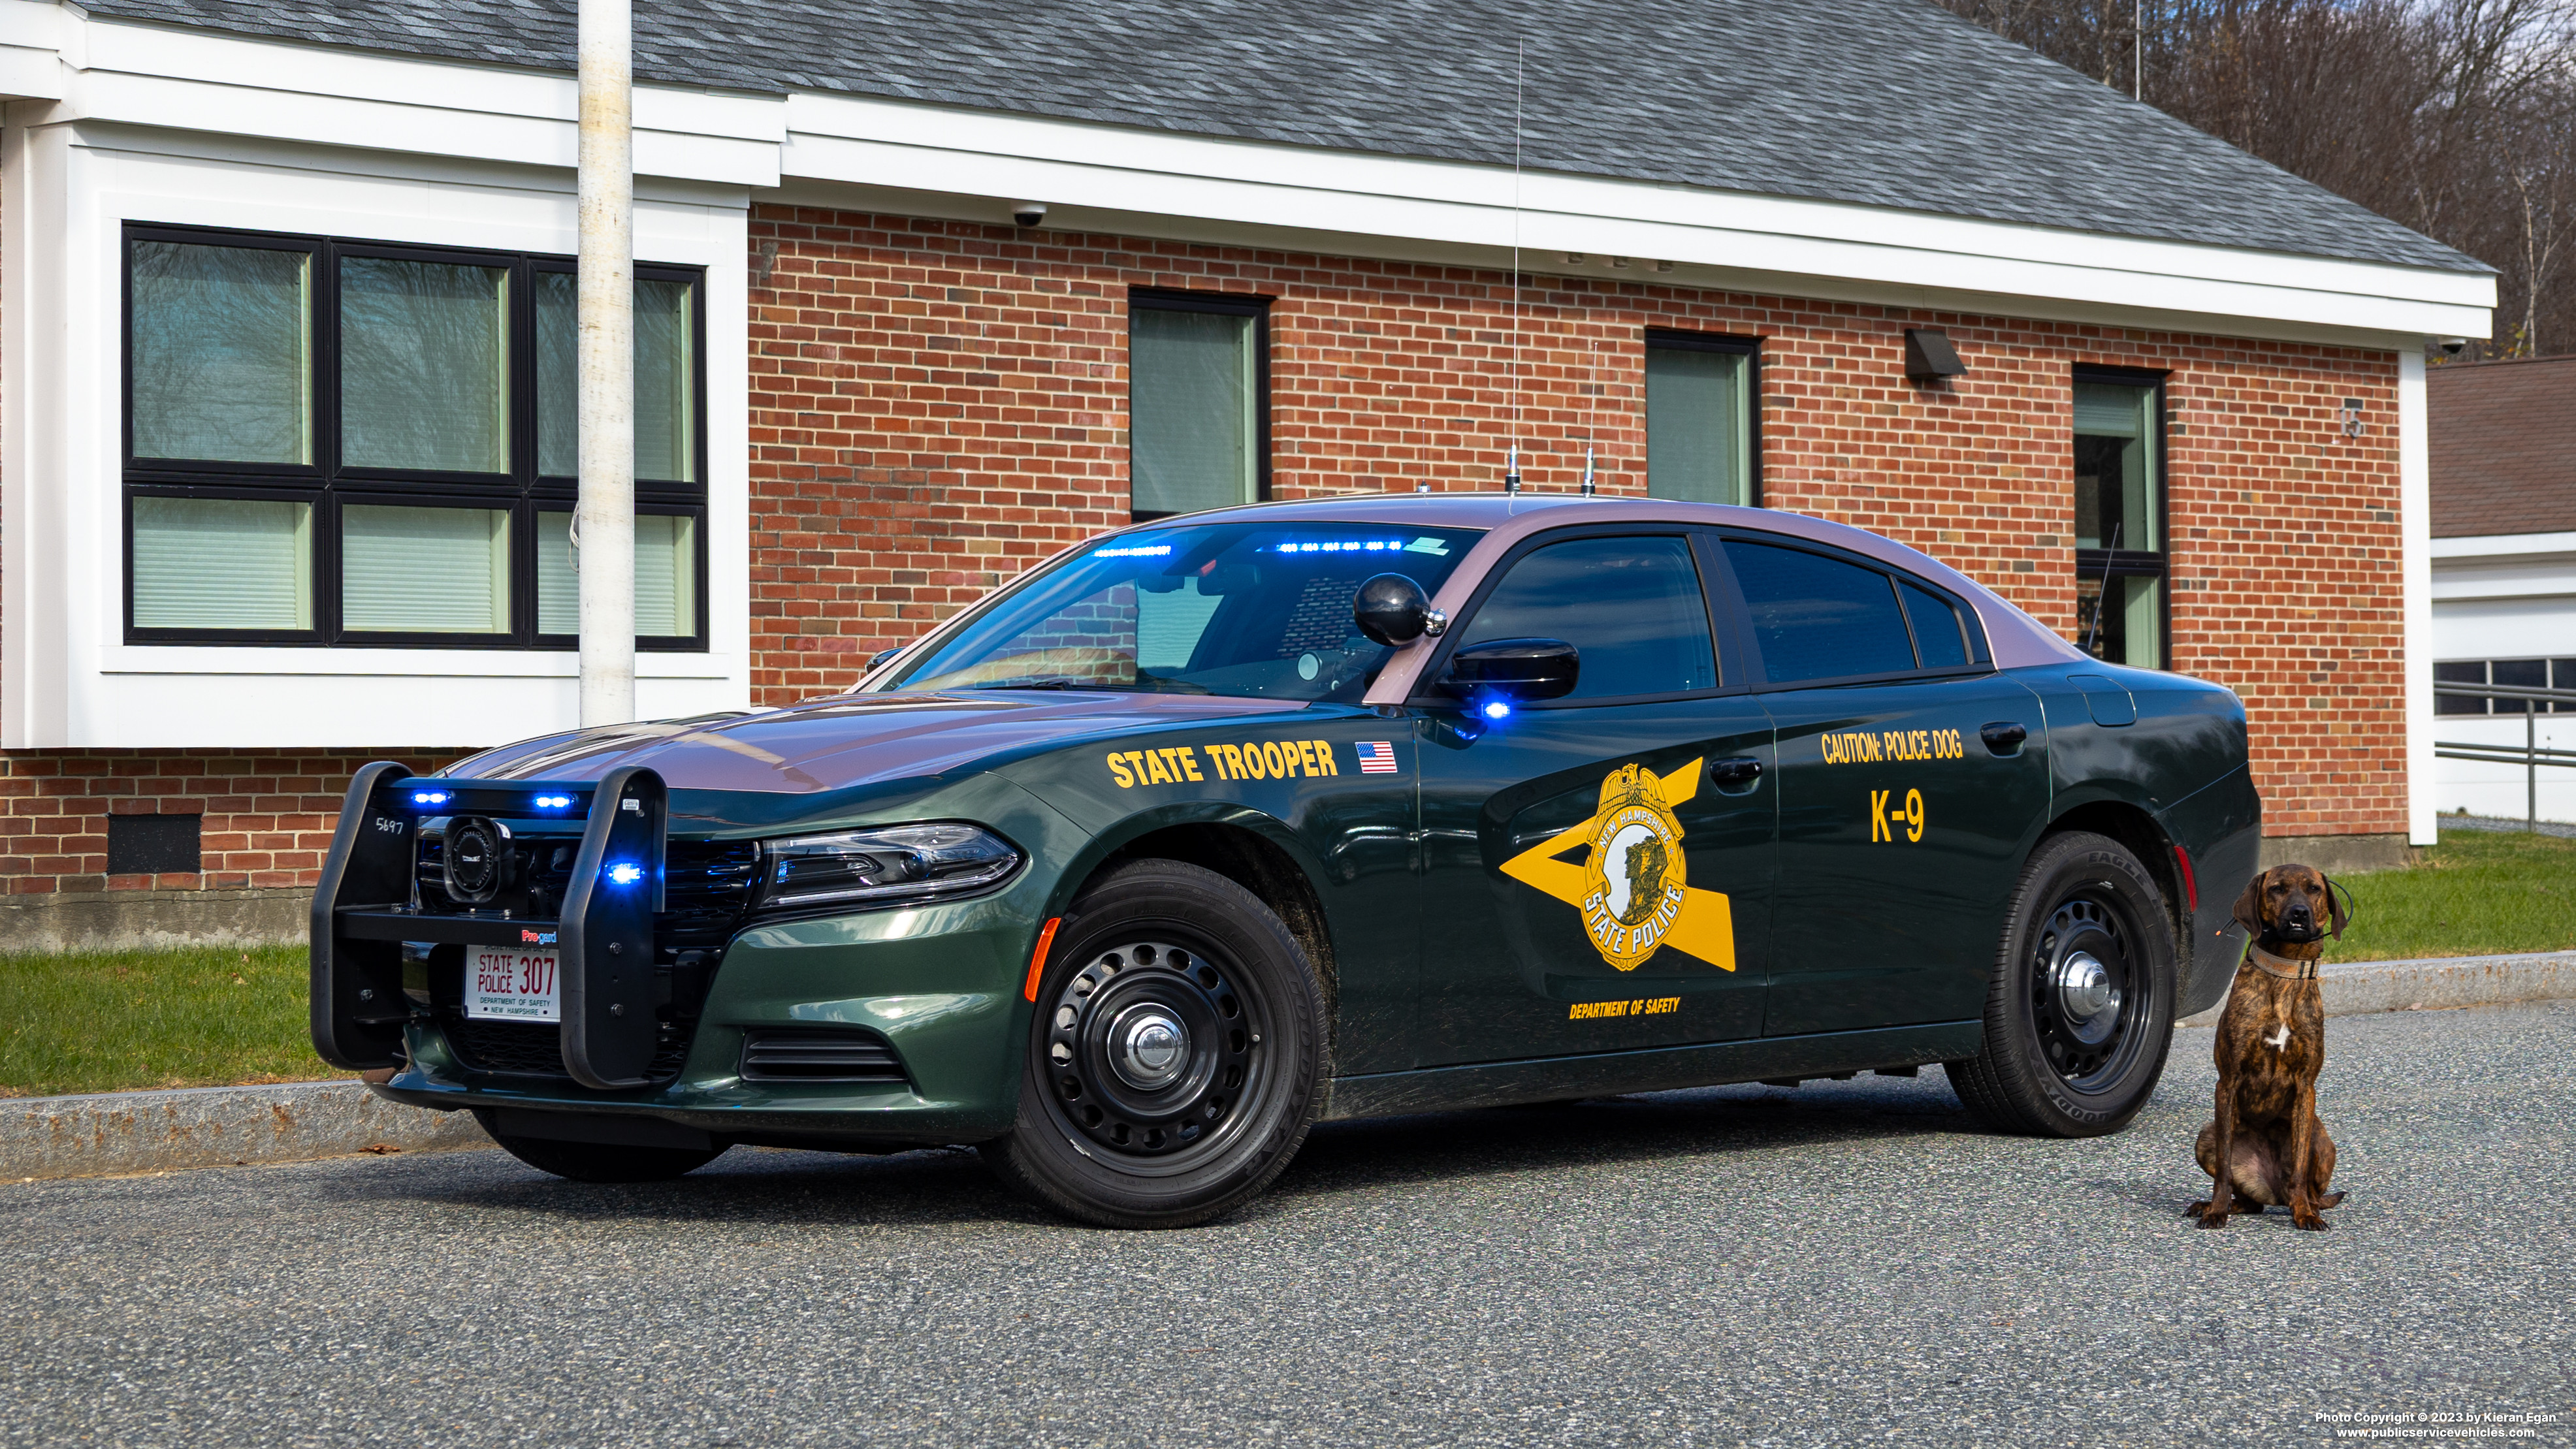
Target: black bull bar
{"x": 366, "y": 907}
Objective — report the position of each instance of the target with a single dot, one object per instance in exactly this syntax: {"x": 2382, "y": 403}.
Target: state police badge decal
{"x": 1633, "y": 887}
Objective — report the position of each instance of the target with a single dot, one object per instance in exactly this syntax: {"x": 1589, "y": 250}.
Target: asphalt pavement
{"x": 1841, "y": 1263}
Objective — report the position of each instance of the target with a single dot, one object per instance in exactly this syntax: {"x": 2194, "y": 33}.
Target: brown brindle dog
{"x": 2271, "y": 1045}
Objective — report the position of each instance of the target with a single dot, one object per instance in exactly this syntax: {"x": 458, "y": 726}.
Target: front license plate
{"x": 502, "y": 984}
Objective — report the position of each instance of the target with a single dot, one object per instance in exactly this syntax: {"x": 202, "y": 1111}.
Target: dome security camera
{"x": 1028, "y": 213}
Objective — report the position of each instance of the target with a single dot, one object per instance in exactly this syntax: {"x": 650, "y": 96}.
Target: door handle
{"x": 2003, "y": 737}
{"x": 1741, "y": 770}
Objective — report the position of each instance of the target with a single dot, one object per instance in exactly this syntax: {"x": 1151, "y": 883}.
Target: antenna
{"x": 1512, "y": 454}
{"x": 1591, "y": 414}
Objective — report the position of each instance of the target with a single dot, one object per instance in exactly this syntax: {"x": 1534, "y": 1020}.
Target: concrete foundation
{"x": 128, "y": 920}
{"x": 2334, "y": 854}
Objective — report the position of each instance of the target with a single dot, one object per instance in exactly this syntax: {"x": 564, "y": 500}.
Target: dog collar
{"x": 2271, "y": 965}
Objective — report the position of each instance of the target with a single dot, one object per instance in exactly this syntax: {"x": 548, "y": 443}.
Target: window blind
{"x": 1191, "y": 395}
{"x": 222, "y": 563}
{"x": 1698, "y": 434}
{"x": 425, "y": 570}
{"x": 666, "y": 571}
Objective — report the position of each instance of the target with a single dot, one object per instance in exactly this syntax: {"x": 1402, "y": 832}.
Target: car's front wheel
{"x": 2079, "y": 1014}
{"x": 1176, "y": 1054}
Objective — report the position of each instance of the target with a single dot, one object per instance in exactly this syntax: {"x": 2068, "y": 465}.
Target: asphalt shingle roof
{"x": 1891, "y": 103}
{"x": 2503, "y": 443}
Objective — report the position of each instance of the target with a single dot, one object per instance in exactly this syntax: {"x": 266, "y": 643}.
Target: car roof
{"x": 2014, "y": 637}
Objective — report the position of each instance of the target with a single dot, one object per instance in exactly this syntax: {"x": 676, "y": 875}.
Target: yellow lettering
{"x": 1324, "y": 755}
{"x": 1914, "y": 815}
{"x": 1118, "y": 767}
{"x": 1189, "y": 761}
{"x": 1273, "y": 760}
{"x": 1154, "y": 767}
{"x": 1878, "y": 817}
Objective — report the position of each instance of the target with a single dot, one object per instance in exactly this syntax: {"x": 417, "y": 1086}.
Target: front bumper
{"x": 941, "y": 984}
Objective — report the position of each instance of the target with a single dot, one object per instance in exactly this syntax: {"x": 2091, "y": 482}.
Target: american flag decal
{"x": 1377, "y": 757}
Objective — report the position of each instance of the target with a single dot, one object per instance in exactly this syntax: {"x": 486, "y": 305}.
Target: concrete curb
{"x": 2358, "y": 988}
{"x": 118, "y": 1132}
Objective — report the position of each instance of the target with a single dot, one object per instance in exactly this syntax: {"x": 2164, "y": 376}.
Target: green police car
{"x": 1220, "y": 826}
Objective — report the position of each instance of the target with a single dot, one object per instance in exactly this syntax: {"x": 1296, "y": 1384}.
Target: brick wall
{"x": 937, "y": 404}
{"x": 267, "y": 817}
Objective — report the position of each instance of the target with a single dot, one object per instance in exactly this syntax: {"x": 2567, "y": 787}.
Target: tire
{"x": 1176, "y": 1055}
{"x": 600, "y": 1161}
{"x": 2068, "y": 1054}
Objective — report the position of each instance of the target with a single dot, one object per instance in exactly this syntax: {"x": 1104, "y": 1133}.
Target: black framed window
{"x": 1198, "y": 401}
{"x": 2120, "y": 563}
{"x": 2503, "y": 674}
{"x": 1703, "y": 429}
{"x": 339, "y": 442}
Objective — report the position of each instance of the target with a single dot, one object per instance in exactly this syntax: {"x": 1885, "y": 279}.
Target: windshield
{"x": 1224, "y": 608}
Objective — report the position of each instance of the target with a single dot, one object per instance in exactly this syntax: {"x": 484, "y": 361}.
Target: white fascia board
{"x": 150, "y": 75}
{"x": 1073, "y": 166}
{"x": 2503, "y": 545}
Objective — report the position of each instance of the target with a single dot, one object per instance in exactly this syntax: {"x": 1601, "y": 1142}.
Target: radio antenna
{"x": 1512, "y": 453}
{"x": 1591, "y": 414}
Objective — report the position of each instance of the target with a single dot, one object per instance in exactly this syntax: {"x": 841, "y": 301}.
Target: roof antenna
{"x": 1592, "y": 374}
{"x": 1512, "y": 455}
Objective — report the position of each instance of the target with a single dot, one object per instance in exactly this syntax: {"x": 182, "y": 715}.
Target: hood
{"x": 845, "y": 740}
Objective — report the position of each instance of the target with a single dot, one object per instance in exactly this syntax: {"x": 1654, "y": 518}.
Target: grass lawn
{"x": 2478, "y": 893}
{"x": 107, "y": 1021}
{"x": 210, "y": 1016}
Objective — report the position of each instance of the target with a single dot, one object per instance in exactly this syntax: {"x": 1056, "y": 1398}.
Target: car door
{"x": 1906, "y": 803}
{"x": 1596, "y": 868}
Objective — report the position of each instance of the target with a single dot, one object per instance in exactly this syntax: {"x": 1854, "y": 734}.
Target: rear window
{"x": 1819, "y": 618}
{"x": 1940, "y": 635}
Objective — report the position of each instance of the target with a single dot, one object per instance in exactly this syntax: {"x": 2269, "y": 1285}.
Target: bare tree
{"x": 2454, "y": 117}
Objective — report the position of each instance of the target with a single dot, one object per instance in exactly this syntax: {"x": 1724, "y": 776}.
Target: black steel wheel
{"x": 1175, "y": 1056}
{"x": 2079, "y": 1015}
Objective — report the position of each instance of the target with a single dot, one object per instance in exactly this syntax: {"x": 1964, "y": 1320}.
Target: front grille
{"x": 535, "y": 1049}
{"x": 819, "y": 1055}
{"x": 706, "y": 884}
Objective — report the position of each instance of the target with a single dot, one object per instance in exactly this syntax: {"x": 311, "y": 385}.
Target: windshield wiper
{"x": 1034, "y": 684}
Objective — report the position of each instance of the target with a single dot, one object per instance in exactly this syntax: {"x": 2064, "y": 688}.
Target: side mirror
{"x": 881, "y": 656}
{"x": 1518, "y": 670}
{"x": 1393, "y": 610}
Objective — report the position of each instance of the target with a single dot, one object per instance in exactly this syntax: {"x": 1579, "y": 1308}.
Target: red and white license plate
{"x": 506, "y": 984}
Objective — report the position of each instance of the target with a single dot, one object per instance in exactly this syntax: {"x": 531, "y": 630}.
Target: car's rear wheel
{"x": 601, "y": 1161}
{"x": 1175, "y": 1057}
{"x": 2079, "y": 1015}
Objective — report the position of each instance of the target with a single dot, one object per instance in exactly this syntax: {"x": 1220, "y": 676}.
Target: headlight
{"x": 896, "y": 865}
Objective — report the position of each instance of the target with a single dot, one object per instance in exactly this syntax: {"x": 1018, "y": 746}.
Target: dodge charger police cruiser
{"x": 1216, "y": 827}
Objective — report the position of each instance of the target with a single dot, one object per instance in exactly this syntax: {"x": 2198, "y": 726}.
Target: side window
{"x": 1940, "y": 635}
{"x": 1820, "y": 618}
{"x": 1632, "y": 606}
